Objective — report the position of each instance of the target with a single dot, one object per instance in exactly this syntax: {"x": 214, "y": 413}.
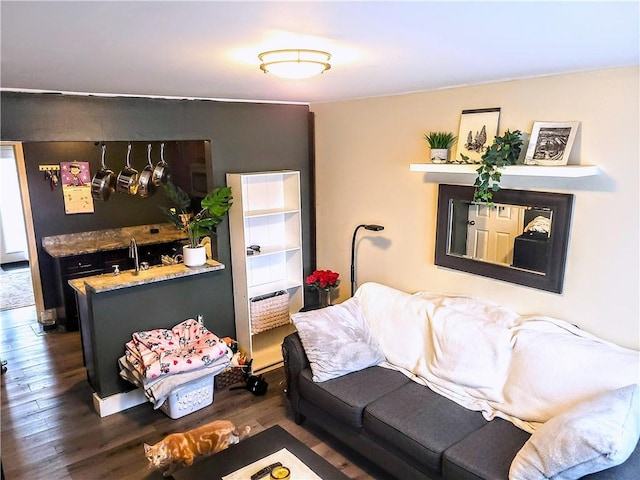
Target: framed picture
{"x": 550, "y": 143}
{"x": 477, "y": 130}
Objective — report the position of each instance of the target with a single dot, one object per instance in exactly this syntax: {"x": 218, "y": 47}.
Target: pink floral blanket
{"x": 187, "y": 346}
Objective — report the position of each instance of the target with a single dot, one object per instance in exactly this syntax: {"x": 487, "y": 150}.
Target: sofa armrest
{"x": 295, "y": 361}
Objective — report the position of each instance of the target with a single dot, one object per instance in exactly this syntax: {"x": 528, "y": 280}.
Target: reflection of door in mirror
{"x": 492, "y": 230}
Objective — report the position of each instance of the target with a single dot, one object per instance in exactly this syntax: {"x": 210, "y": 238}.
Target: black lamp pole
{"x": 373, "y": 228}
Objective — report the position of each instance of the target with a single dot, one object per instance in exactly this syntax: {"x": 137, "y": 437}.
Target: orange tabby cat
{"x": 182, "y": 448}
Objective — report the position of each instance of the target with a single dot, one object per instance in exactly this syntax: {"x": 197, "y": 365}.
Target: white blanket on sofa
{"x": 488, "y": 358}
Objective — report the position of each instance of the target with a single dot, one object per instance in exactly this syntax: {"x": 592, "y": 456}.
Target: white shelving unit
{"x": 561, "y": 171}
{"x": 265, "y": 212}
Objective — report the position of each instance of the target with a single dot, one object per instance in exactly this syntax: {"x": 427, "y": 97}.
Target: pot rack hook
{"x": 162, "y": 152}
{"x": 128, "y": 154}
{"x": 104, "y": 149}
{"x": 149, "y": 154}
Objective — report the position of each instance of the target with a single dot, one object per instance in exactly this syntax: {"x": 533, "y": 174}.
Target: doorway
{"x": 13, "y": 235}
{"x": 17, "y": 237}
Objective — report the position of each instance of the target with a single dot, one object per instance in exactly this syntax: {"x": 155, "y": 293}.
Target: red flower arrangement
{"x": 323, "y": 279}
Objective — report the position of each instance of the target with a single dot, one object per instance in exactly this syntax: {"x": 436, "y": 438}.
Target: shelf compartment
{"x": 267, "y": 350}
{"x": 269, "y": 192}
{"x": 275, "y": 286}
{"x": 273, "y": 250}
{"x": 281, "y": 266}
{"x": 272, "y": 232}
{"x": 269, "y": 212}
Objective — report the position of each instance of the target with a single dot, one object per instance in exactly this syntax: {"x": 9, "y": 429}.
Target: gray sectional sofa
{"x": 407, "y": 428}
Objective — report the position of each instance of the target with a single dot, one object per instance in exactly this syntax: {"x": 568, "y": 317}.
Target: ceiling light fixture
{"x": 294, "y": 63}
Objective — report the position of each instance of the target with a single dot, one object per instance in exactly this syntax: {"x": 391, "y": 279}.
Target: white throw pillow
{"x": 337, "y": 340}
{"x": 596, "y": 434}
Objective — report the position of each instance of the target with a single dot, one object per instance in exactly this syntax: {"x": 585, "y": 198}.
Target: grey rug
{"x": 16, "y": 290}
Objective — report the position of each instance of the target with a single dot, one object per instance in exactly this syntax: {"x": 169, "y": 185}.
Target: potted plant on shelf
{"x": 504, "y": 151}
{"x": 440, "y": 143}
{"x": 214, "y": 206}
{"x": 324, "y": 281}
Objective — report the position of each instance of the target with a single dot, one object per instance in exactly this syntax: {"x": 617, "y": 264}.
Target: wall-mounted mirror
{"x": 522, "y": 238}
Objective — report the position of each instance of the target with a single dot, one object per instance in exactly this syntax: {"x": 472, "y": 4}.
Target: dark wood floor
{"x": 50, "y": 429}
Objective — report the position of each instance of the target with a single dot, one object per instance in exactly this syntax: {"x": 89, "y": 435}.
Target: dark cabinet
{"x": 86, "y": 265}
{"x": 69, "y": 268}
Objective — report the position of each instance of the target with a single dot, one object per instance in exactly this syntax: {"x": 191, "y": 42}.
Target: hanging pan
{"x": 161, "y": 172}
{"x": 103, "y": 183}
{"x": 146, "y": 187}
{"x": 128, "y": 177}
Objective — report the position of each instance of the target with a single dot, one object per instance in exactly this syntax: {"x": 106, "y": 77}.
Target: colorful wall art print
{"x": 76, "y": 187}
{"x": 477, "y": 130}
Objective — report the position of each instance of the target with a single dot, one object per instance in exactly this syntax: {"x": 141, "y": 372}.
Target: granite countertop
{"x": 111, "y": 239}
{"x": 108, "y": 281}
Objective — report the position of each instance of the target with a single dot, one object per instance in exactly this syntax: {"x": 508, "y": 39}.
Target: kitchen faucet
{"x": 133, "y": 253}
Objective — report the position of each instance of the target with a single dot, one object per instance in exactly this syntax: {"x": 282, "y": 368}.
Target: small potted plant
{"x": 214, "y": 206}
{"x": 324, "y": 281}
{"x": 504, "y": 151}
{"x": 440, "y": 143}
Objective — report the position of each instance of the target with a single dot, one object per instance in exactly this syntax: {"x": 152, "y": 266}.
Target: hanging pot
{"x": 103, "y": 183}
{"x": 161, "y": 172}
{"x": 146, "y": 187}
{"x": 128, "y": 177}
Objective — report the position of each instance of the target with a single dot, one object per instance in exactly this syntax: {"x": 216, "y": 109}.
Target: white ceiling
{"x": 209, "y": 49}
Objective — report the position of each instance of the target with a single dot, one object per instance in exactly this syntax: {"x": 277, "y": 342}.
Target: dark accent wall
{"x": 244, "y": 137}
{"x": 121, "y": 210}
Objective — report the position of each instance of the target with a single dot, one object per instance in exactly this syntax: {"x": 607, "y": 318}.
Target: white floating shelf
{"x": 566, "y": 171}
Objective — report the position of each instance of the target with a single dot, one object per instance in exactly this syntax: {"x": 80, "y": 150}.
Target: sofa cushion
{"x": 346, "y": 397}
{"x": 337, "y": 340}
{"x": 565, "y": 366}
{"x": 596, "y": 434}
{"x": 420, "y": 423}
{"x": 485, "y": 454}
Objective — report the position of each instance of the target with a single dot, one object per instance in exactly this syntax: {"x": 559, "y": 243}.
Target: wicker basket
{"x": 229, "y": 377}
{"x": 269, "y": 312}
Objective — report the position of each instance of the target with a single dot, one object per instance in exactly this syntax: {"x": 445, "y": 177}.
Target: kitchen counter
{"x": 113, "y": 307}
{"x": 128, "y": 278}
{"x": 111, "y": 239}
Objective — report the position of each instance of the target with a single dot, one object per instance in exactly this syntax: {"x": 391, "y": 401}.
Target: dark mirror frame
{"x": 560, "y": 203}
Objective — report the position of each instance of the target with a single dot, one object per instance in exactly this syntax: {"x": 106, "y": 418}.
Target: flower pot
{"x": 439, "y": 155}
{"x": 324, "y": 298}
{"x": 194, "y": 256}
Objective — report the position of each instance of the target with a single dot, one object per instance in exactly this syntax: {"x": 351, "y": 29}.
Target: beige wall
{"x": 363, "y": 151}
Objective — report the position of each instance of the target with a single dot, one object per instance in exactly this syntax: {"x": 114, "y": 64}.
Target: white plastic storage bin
{"x": 189, "y": 398}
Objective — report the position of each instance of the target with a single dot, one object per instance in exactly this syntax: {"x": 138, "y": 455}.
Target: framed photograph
{"x": 550, "y": 143}
{"x": 477, "y": 130}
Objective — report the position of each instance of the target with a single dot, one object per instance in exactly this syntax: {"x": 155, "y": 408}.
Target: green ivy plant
{"x": 504, "y": 151}
{"x": 440, "y": 139}
{"x": 213, "y": 209}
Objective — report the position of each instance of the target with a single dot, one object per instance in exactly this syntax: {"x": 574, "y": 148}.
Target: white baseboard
{"x": 118, "y": 402}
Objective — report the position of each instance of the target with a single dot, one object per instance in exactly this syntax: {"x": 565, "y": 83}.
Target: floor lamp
{"x": 373, "y": 228}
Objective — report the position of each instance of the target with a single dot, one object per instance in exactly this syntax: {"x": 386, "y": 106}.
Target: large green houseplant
{"x": 504, "y": 151}
{"x": 213, "y": 207}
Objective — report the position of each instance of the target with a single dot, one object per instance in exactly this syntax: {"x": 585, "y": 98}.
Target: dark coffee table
{"x": 255, "y": 448}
